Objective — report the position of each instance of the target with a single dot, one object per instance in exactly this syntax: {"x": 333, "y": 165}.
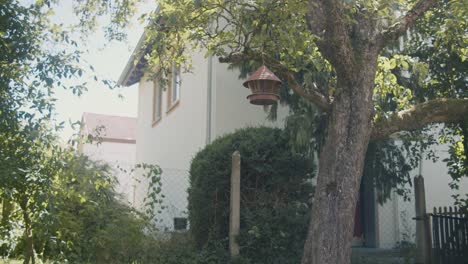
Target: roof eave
{"x": 132, "y": 63}
{"x": 130, "y": 74}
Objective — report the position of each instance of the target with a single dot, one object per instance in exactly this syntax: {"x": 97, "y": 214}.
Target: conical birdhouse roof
{"x": 263, "y": 73}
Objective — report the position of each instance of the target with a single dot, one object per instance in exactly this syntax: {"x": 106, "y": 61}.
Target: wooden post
{"x": 428, "y": 242}
{"x": 234, "y": 217}
{"x": 423, "y": 237}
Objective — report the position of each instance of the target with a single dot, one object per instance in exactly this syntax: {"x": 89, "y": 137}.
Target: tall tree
{"x": 30, "y": 70}
{"x": 355, "y": 42}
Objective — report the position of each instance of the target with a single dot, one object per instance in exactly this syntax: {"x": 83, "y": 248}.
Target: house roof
{"x": 110, "y": 128}
{"x": 134, "y": 69}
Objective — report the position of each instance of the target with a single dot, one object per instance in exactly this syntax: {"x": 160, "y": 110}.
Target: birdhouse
{"x": 264, "y": 86}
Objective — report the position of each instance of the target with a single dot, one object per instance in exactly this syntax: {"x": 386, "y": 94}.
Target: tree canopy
{"x": 362, "y": 70}
{"x": 37, "y": 57}
{"x": 419, "y": 71}
{"x": 359, "y": 70}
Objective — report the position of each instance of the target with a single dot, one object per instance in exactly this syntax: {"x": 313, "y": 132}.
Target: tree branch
{"x": 394, "y": 32}
{"x": 314, "y": 96}
{"x": 325, "y": 19}
{"x": 315, "y": 17}
{"x": 435, "y": 111}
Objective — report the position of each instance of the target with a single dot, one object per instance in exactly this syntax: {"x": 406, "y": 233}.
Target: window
{"x": 157, "y": 102}
{"x": 174, "y": 88}
{"x": 180, "y": 223}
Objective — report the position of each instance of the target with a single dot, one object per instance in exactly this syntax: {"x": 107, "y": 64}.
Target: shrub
{"x": 84, "y": 220}
{"x": 88, "y": 221}
{"x": 177, "y": 249}
{"x": 275, "y": 194}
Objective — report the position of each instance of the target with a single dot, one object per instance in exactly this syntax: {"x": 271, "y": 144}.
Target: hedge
{"x": 275, "y": 195}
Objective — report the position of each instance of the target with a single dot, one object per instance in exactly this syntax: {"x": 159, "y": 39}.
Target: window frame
{"x": 180, "y": 224}
{"x": 157, "y": 108}
{"x": 174, "y": 84}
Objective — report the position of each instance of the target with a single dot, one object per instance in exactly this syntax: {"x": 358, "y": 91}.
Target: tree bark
{"x": 440, "y": 110}
{"x": 7, "y": 206}
{"x": 313, "y": 96}
{"x": 29, "y": 256}
{"x": 353, "y": 51}
{"x": 340, "y": 167}
{"x": 464, "y": 132}
{"x": 405, "y": 22}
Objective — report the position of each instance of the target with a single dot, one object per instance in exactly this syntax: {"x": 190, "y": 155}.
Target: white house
{"x": 174, "y": 124}
{"x": 114, "y": 142}
{"x": 394, "y": 219}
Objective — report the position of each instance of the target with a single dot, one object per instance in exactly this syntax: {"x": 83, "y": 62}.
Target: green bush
{"x": 275, "y": 195}
{"x": 177, "y": 249}
{"x": 88, "y": 221}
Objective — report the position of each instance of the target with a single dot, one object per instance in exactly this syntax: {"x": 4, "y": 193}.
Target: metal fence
{"x": 172, "y": 211}
{"x": 449, "y": 236}
{"x": 394, "y": 220}
{"x": 390, "y": 232}
{"x": 396, "y": 224}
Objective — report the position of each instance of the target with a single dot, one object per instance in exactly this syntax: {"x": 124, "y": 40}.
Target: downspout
{"x": 209, "y": 99}
{"x": 421, "y": 155}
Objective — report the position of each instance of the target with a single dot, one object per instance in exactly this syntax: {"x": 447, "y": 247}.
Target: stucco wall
{"x": 172, "y": 142}
{"x": 232, "y": 109}
{"x": 180, "y": 134}
{"x": 436, "y": 179}
{"x": 118, "y": 155}
{"x": 395, "y": 216}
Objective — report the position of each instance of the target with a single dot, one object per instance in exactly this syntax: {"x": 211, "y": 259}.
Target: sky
{"x": 108, "y": 60}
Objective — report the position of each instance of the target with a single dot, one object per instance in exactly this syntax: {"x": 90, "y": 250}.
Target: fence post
{"x": 234, "y": 216}
{"x": 423, "y": 238}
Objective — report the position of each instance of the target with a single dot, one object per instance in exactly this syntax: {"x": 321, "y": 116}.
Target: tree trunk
{"x": 340, "y": 167}
{"x": 464, "y": 132}
{"x": 7, "y": 206}
{"x": 5, "y": 226}
{"x": 28, "y": 235}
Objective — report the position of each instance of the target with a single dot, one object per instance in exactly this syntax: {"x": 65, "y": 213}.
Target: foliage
{"x": 90, "y": 222}
{"x": 153, "y": 201}
{"x": 260, "y": 32}
{"x": 440, "y": 46}
{"x": 388, "y": 169}
{"x": 118, "y": 11}
{"x": 84, "y": 220}
{"x": 407, "y": 251}
{"x": 26, "y": 180}
{"x": 28, "y": 73}
{"x": 179, "y": 249}
{"x": 257, "y": 30}
{"x": 275, "y": 201}
{"x": 429, "y": 63}
{"x": 37, "y": 57}
{"x": 30, "y": 70}
{"x": 457, "y": 161}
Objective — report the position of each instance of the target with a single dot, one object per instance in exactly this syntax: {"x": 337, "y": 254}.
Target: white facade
{"x": 212, "y": 103}
{"x": 121, "y": 156}
{"x": 114, "y": 144}
{"x": 231, "y": 108}
{"x": 395, "y": 218}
